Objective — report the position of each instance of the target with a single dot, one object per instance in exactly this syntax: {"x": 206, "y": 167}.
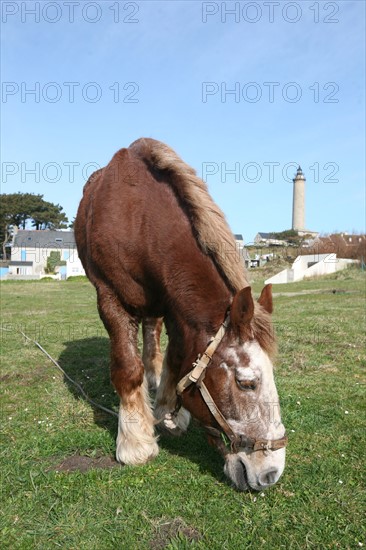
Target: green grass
{"x": 181, "y": 499}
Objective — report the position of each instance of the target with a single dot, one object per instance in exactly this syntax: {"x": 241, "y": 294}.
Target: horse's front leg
{"x": 136, "y": 441}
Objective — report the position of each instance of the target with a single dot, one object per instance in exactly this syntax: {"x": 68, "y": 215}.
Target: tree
{"x": 49, "y": 216}
{"x": 17, "y": 208}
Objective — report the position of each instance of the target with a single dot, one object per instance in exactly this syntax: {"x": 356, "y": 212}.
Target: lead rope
{"x": 76, "y": 384}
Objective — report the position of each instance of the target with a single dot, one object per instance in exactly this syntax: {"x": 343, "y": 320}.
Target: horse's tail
{"x": 212, "y": 231}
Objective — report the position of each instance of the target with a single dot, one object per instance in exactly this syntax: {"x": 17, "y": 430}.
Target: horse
{"x": 155, "y": 245}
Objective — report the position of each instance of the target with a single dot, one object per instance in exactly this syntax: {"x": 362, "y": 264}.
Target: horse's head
{"x": 236, "y": 399}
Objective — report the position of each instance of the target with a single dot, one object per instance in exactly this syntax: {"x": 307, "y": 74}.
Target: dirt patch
{"x": 78, "y": 463}
{"x": 166, "y": 530}
{"x": 26, "y": 379}
{"x": 10, "y": 376}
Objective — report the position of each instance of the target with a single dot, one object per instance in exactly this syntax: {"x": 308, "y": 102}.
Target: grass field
{"x": 53, "y": 498}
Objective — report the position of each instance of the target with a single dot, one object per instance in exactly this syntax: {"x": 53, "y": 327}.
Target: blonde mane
{"x": 212, "y": 231}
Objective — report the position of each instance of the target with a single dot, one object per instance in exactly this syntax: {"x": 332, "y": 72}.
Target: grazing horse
{"x": 154, "y": 244}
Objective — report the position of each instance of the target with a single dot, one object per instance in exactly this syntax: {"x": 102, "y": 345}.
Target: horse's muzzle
{"x": 246, "y": 475}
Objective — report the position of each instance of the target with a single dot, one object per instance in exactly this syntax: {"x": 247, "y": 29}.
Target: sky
{"x": 243, "y": 91}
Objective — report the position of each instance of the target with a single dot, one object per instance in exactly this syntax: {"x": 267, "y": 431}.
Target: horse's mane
{"x": 208, "y": 221}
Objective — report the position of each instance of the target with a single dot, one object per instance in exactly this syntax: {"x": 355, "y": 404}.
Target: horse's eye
{"x": 246, "y": 385}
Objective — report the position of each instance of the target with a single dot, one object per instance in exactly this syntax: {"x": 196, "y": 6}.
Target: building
{"x": 298, "y": 206}
{"x": 298, "y": 203}
{"x": 268, "y": 239}
{"x": 239, "y": 239}
{"x": 344, "y": 244}
{"x": 30, "y": 250}
{"x": 243, "y": 253}
{"x": 298, "y": 219}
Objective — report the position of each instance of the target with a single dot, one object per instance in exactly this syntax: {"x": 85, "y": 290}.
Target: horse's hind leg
{"x": 175, "y": 423}
{"x": 151, "y": 355}
{"x": 166, "y": 396}
{"x": 136, "y": 442}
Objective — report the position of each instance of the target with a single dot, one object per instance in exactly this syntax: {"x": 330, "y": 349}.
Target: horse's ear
{"x": 265, "y": 299}
{"x": 242, "y": 308}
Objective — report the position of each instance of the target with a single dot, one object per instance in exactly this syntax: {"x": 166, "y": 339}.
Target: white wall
{"x": 300, "y": 265}
{"x": 325, "y": 264}
{"x": 20, "y": 270}
{"x": 279, "y": 278}
{"x": 74, "y": 266}
{"x": 330, "y": 264}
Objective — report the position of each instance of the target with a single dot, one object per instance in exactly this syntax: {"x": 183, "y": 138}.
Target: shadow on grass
{"x": 86, "y": 361}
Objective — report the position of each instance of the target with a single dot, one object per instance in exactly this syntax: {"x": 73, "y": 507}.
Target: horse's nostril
{"x": 268, "y": 478}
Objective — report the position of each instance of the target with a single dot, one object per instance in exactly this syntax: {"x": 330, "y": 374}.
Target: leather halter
{"x": 196, "y": 376}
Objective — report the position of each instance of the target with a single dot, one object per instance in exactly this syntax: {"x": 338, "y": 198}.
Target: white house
{"x": 243, "y": 253}
{"x": 267, "y": 239}
{"x": 30, "y": 250}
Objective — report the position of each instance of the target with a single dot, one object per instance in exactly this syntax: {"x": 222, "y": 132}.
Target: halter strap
{"x": 202, "y": 362}
{"x": 247, "y": 443}
{"x": 196, "y": 376}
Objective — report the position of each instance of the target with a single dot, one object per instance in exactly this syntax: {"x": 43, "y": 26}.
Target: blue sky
{"x": 296, "y": 69}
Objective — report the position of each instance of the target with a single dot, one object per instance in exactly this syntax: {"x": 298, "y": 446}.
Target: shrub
{"x": 53, "y": 260}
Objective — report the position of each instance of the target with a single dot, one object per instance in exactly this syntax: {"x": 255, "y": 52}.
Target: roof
{"x": 341, "y": 238}
{"x": 299, "y": 174}
{"x": 266, "y": 235}
{"x": 344, "y": 244}
{"x": 239, "y": 237}
{"x": 44, "y": 238}
{"x": 21, "y": 263}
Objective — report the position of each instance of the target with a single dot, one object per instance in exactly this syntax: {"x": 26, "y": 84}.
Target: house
{"x": 267, "y": 239}
{"x": 243, "y": 252}
{"x": 344, "y": 244}
{"x": 30, "y": 250}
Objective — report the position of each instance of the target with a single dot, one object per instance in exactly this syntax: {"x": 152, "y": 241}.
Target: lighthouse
{"x": 298, "y": 205}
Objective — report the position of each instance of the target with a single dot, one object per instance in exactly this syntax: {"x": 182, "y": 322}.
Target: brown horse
{"x": 154, "y": 244}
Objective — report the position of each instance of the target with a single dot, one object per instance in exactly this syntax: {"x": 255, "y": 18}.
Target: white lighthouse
{"x": 298, "y": 206}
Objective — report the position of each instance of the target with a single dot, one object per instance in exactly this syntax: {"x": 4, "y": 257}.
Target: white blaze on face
{"x": 246, "y": 373}
{"x": 263, "y": 468}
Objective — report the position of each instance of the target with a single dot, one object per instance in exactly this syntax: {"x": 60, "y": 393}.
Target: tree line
{"x": 19, "y": 209}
